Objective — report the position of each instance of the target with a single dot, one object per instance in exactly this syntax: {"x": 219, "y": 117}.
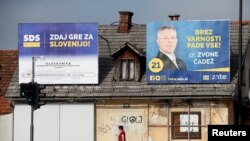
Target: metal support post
{"x": 240, "y": 67}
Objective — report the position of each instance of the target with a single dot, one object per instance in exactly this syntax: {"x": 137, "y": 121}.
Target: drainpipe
{"x": 240, "y": 66}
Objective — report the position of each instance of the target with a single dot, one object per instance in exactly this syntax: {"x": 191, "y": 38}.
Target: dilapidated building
{"x": 159, "y": 112}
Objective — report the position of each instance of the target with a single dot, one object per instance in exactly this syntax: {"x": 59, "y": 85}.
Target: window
{"x": 127, "y": 69}
{"x": 186, "y": 126}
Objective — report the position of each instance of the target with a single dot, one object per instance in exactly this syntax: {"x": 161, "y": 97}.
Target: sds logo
{"x": 30, "y": 40}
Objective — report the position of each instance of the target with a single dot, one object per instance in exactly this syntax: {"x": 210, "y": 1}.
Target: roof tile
{"x": 8, "y": 62}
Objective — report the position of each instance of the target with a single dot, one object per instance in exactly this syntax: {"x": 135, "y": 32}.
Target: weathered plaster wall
{"x": 152, "y": 121}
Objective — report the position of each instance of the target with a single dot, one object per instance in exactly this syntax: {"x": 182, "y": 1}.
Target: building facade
{"x": 148, "y": 112}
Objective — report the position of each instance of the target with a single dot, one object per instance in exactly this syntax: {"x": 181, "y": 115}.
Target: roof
{"x": 133, "y": 47}
{"x": 8, "y": 62}
{"x": 109, "y": 42}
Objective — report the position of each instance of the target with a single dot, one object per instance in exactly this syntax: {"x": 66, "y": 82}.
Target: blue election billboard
{"x": 63, "y": 53}
{"x": 188, "y": 52}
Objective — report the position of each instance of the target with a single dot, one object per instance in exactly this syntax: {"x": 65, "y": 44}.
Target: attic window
{"x": 127, "y": 69}
{"x": 129, "y": 63}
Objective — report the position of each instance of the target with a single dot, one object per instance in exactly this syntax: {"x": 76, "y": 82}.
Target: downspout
{"x": 240, "y": 66}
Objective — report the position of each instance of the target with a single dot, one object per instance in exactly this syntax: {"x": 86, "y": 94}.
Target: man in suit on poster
{"x": 167, "y": 42}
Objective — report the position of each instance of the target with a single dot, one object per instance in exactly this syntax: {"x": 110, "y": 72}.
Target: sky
{"x": 105, "y": 12}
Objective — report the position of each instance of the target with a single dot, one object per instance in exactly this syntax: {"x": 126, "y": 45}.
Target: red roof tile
{"x": 8, "y": 62}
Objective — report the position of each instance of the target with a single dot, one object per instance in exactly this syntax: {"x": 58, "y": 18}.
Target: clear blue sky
{"x": 13, "y": 12}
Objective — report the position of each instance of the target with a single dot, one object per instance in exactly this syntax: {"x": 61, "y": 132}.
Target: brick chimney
{"x": 174, "y": 17}
{"x": 125, "y": 21}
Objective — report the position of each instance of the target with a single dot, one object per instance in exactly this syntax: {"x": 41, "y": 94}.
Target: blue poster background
{"x": 66, "y": 53}
{"x": 44, "y": 30}
{"x": 197, "y": 72}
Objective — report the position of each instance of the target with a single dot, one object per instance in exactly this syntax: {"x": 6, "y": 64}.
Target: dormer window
{"x": 129, "y": 63}
{"x": 127, "y": 69}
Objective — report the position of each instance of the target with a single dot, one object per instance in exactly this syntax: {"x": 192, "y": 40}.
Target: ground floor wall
{"x": 6, "y": 127}
{"x": 158, "y": 120}
{"x": 55, "y": 122}
{"x": 143, "y": 120}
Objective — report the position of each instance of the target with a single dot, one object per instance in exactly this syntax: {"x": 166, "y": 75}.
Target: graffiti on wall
{"x": 133, "y": 121}
{"x": 104, "y": 128}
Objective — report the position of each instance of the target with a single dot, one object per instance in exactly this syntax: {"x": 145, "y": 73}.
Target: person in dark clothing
{"x": 167, "y": 42}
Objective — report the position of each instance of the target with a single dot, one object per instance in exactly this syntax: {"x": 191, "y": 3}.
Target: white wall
{"x": 6, "y": 127}
{"x": 65, "y": 122}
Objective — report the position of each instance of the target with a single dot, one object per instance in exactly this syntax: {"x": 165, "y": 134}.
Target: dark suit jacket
{"x": 169, "y": 65}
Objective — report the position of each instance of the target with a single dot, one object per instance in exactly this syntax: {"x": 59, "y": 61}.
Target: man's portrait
{"x": 167, "y": 43}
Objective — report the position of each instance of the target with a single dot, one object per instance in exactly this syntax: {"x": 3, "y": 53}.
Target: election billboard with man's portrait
{"x": 188, "y": 52}
{"x": 58, "y": 53}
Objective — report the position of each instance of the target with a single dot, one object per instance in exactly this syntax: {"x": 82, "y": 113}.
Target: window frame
{"x": 128, "y": 69}
{"x": 176, "y": 125}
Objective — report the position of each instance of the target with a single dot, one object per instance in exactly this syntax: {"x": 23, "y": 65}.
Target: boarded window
{"x": 186, "y": 125}
{"x": 127, "y": 69}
